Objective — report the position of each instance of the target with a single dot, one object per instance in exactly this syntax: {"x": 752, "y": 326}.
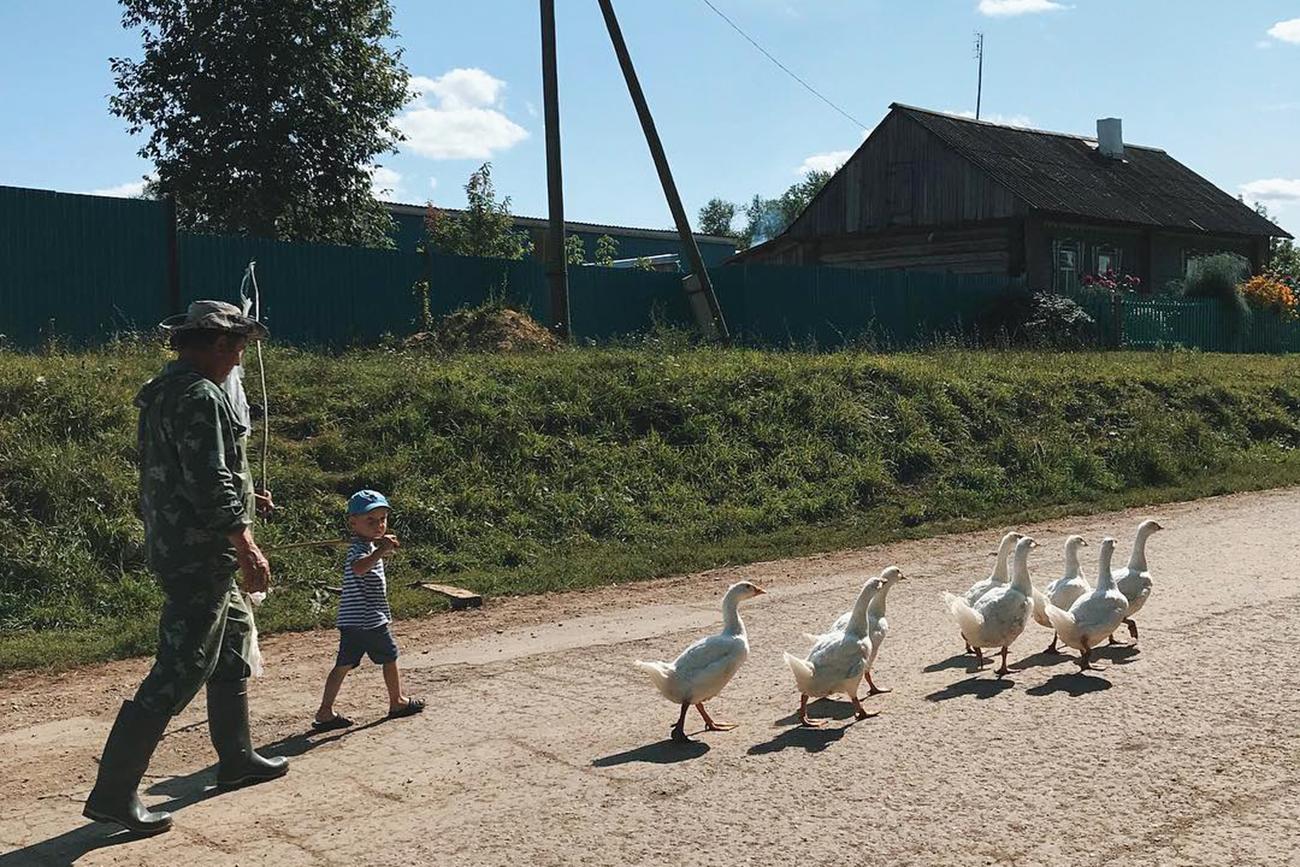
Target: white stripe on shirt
{"x": 365, "y": 597}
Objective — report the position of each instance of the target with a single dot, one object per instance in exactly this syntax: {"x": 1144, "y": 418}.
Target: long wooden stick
{"x": 312, "y": 544}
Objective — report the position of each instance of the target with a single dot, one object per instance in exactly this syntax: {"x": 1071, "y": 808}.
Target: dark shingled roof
{"x": 1064, "y": 174}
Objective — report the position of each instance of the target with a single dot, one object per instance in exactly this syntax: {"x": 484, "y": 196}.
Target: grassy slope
{"x": 531, "y": 473}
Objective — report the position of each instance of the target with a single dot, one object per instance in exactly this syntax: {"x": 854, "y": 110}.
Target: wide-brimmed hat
{"x": 215, "y": 316}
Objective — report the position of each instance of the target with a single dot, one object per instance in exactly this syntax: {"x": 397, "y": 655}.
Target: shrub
{"x": 1058, "y": 322}
{"x": 1270, "y": 293}
{"x": 1218, "y": 277}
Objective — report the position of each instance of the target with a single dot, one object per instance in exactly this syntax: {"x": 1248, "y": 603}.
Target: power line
{"x": 782, "y": 66}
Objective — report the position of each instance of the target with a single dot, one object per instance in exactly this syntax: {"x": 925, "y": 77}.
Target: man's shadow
{"x": 70, "y": 846}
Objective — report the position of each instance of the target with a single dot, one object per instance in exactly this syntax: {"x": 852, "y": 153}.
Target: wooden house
{"x": 936, "y": 192}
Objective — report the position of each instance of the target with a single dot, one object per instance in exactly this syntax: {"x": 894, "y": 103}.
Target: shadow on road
{"x": 1076, "y": 684}
{"x": 665, "y": 752}
{"x": 961, "y": 660}
{"x": 808, "y": 739}
{"x": 72, "y": 845}
{"x": 979, "y": 687}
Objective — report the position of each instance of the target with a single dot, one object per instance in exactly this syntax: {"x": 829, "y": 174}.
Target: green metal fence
{"x": 83, "y": 267}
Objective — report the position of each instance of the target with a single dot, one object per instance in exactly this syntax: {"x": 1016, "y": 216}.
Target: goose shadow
{"x": 1040, "y": 660}
{"x": 960, "y": 660}
{"x": 1120, "y": 654}
{"x": 665, "y": 752}
{"x": 812, "y": 740}
{"x": 822, "y": 708}
{"x": 1075, "y": 684}
{"x": 979, "y": 687}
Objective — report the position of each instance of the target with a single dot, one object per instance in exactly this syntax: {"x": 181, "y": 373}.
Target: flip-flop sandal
{"x": 412, "y": 707}
{"x": 329, "y": 725}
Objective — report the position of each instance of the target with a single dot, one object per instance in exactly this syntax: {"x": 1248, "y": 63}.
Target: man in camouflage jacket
{"x": 197, "y": 501}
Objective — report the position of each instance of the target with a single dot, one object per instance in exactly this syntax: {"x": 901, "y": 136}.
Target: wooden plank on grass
{"x": 459, "y": 596}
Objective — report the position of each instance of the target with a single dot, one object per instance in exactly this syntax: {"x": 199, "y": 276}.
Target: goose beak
{"x": 759, "y": 591}
{"x": 1084, "y": 543}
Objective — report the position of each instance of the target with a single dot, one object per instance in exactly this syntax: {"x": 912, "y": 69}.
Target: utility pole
{"x": 557, "y": 267}
{"x": 699, "y": 288}
{"x": 979, "y": 87}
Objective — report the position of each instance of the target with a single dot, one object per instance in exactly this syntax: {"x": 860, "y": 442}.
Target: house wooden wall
{"x": 903, "y": 175}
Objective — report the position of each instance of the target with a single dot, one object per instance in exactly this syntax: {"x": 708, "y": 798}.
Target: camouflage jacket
{"x": 195, "y": 485}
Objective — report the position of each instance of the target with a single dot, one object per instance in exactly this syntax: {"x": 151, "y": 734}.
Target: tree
{"x": 766, "y": 218}
{"x": 716, "y": 217}
{"x": 606, "y": 251}
{"x": 484, "y": 228}
{"x": 575, "y": 251}
{"x": 1284, "y": 256}
{"x": 265, "y": 118}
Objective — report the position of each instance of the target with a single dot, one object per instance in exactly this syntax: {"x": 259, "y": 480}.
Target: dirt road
{"x": 543, "y": 745}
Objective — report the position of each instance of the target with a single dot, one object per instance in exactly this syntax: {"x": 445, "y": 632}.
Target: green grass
{"x": 524, "y": 474}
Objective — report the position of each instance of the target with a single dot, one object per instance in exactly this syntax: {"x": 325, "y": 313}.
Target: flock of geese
{"x": 991, "y": 614}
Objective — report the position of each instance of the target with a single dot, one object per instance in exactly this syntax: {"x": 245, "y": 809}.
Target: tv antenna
{"x": 979, "y": 55}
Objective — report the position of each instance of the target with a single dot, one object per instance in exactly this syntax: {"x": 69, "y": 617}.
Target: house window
{"x": 1066, "y": 256}
{"x": 1107, "y": 259}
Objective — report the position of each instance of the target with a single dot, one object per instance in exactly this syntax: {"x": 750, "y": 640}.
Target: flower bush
{"x": 1270, "y": 293}
{"x": 1112, "y": 282}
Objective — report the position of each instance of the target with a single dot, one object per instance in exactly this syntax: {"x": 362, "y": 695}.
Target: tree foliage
{"x": 484, "y": 228}
{"x": 265, "y": 118}
{"x": 716, "y": 217}
{"x": 606, "y": 251}
{"x": 766, "y": 218}
{"x": 575, "y": 251}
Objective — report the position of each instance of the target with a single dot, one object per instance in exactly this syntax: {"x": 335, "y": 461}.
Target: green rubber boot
{"x": 228, "y": 726}
{"x": 130, "y": 745}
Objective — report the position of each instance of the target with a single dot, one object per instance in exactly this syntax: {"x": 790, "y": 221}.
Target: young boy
{"x": 363, "y": 611}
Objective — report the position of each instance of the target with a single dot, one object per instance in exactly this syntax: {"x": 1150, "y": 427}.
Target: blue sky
{"x": 1216, "y": 84}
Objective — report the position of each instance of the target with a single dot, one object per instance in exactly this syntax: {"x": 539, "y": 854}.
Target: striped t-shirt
{"x": 365, "y": 597}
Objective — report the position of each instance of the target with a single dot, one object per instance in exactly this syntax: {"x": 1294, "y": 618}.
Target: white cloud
{"x": 1286, "y": 31}
{"x": 1007, "y": 8}
{"x": 464, "y": 119}
{"x": 532, "y": 109}
{"x": 827, "y": 162}
{"x": 129, "y": 190}
{"x": 433, "y": 183}
{"x": 1273, "y": 189}
{"x": 385, "y": 183}
{"x": 1021, "y": 120}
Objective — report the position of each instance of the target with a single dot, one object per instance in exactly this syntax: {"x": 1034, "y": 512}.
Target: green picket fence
{"x": 1129, "y": 321}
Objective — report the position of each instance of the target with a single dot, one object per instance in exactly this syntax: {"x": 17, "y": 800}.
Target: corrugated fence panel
{"x": 611, "y": 302}
{"x": 80, "y": 267}
{"x": 461, "y": 281}
{"x": 311, "y": 293}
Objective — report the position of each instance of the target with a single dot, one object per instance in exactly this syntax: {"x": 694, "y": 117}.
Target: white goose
{"x": 999, "y": 616}
{"x": 1064, "y": 590}
{"x": 1134, "y": 581}
{"x": 877, "y": 625}
{"x": 838, "y": 659}
{"x": 1094, "y": 615}
{"x": 704, "y": 668}
{"x": 997, "y": 579}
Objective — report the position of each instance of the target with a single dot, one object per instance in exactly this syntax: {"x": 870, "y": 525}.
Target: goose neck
{"x": 731, "y": 622}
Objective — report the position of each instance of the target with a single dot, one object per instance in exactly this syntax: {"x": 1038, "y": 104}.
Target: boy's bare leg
{"x": 393, "y": 680}
{"x": 333, "y": 684}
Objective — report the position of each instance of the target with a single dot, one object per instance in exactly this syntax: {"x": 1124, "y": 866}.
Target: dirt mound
{"x": 485, "y": 329}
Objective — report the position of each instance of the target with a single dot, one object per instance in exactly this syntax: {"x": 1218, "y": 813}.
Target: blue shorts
{"x": 354, "y": 643}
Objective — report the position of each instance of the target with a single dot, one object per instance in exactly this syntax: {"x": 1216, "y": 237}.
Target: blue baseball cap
{"x": 366, "y": 501}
